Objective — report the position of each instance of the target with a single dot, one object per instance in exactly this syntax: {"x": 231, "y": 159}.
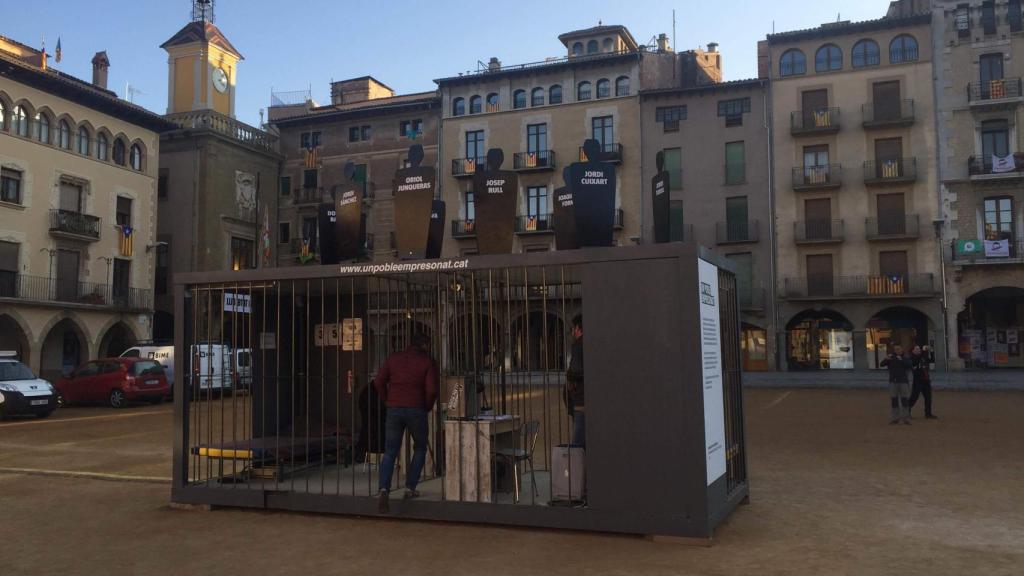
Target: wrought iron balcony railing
{"x": 817, "y": 177}
{"x": 890, "y": 170}
{"x": 61, "y": 291}
{"x": 815, "y": 121}
{"x": 861, "y": 287}
{"x": 979, "y": 92}
{"x": 463, "y": 229}
{"x": 467, "y": 167}
{"x": 818, "y": 231}
{"x": 732, "y": 232}
{"x": 530, "y": 161}
{"x": 896, "y": 227}
{"x": 610, "y": 152}
{"x": 75, "y": 224}
{"x": 535, "y": 224}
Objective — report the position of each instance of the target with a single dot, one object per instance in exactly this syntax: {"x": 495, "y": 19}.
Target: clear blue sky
{"x": 294, "y": 45}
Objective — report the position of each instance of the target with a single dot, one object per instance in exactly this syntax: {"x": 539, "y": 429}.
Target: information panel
{"x": 711, "y": 369}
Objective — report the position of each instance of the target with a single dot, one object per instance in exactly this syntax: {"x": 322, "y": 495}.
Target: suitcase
{"x": 568, "y": 473}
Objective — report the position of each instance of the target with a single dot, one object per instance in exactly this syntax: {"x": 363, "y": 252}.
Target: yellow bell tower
{"x": 202, "y": 65}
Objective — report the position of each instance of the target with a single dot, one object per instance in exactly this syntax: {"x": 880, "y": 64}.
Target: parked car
{"x": 115, "y": 381}
{"x": 162, "y": 354}
{"x": 21, "y": 392}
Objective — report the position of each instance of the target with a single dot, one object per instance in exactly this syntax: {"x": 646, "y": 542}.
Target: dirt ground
{"x": 835, "y": 490}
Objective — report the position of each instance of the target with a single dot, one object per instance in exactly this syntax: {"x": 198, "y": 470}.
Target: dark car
{"x": 115, "y": 381}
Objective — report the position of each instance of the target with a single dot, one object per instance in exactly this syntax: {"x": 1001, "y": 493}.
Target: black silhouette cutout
{"x": 565, "y": 215}
{"x": 414, "y": 203}
{"x": 496, "y": 192}
{"x": 593, "y": 188}
{"x": 341, "y": 222}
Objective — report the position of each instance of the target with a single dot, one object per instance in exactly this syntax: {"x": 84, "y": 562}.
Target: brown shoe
{"x": 383, "y": 502}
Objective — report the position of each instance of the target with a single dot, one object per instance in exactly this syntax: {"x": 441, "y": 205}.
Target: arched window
{"x": 555, "y": 94}
{"x": 829, "y": 57}
{"x": 592, "y": 47}
{"x": 119, "y": 152}
{"x": 42, "y": 128}
{"x": 83, "y": 140}
{"x": 903, "y": 48}
{"x": 101, "y": 147}
{"x": 865, "y": 53}
{"x": 136, "y": 157}
{"x": 792, "y": 63}
{"x": 583, "y": 91}
{"x": 3, "y": 116}
{"x": 604, "y": 88}
{"x": 577, "y": 49}
{"x": 475, "y": 105}
{"x": 537, "y": 97}
{"x": 458, "y": 107}
{"x": 19, "y": 120}
{"x": 608, "y": 45}
{"x": 622, "y": 86}
{"x": 492, "y": 102}
{"x": 64, "y": 135}
{"x": 519, "y": 99}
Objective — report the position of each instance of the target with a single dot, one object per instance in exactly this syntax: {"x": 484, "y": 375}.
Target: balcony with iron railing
{"x": 1009, "y": 167}
{"x": 890, "y": 171}
{"x": 535, "y": 224}
{"x": 225, "y": 126}
{"x": 1002, "y": 91}
{"x": 895, "y": 227}
{"x": 610, "y": 152}
{"x": 818, "y": 232}
{"x": 62, "y": 292}
{"x": 981, "y": 253}
{"x": 463, "y": 229}
{"x": 304, "y": 196}
{"x": 533, "y": 161}
{"x": 888, "y": 115}
{"x": 817, "y": 177}
{"x": 860, "y": 287}
{"x": 817, "y": 121}
{"x": 467, "y": 167}
{"x": 736, "y": 232}
{"x": 74, "y": 225}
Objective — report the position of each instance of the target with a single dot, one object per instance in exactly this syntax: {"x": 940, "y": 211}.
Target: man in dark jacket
{"x": 408, "y": 383}
{"x": 899, "y": 385}
{"x": 574, "y": 385}
{"x": 921, "y": 359}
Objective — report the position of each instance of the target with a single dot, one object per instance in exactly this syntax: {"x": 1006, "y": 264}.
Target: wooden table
{"x": 469, "y": 448}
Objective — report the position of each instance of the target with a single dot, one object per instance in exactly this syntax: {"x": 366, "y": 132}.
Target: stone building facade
{"x": 77, "y": 214}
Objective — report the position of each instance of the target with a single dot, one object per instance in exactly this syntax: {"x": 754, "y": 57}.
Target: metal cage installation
{"x": 276, "y": 408}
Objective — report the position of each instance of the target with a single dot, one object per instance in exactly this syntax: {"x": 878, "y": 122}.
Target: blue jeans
{"x": 398, "y": 421}
{"x": 579, "y": 429}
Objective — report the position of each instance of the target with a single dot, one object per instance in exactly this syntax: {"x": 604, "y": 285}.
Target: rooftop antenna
{"x": 130, "y": 92}
{"x": 673, "y": 32}
{"x": 202, "y": 11}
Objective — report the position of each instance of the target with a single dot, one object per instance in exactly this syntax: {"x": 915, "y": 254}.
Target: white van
{"x": 219, "y": 367}
{"x": 162, "y": 354}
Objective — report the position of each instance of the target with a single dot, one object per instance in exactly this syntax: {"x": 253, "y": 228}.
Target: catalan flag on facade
{"x": 469, "y": 166}
{"x": 125, "y": 234}
{"x": 531, "y": 160}
{"x": 311, "y": 157}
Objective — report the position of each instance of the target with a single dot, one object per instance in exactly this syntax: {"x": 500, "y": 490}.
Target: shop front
{"x": 991, "y": 329}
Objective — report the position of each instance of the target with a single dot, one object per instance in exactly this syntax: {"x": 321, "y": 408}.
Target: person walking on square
{"x": 408, "y": 383}
{"x": 574, "y": 385}
{"x": 899, "y": 386}
{"x": 921, "y": 358}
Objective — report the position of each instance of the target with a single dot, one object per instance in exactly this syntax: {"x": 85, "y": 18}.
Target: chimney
{"x": 663, "y": 43}
{"x": 494, "y": 64}
{"x": 100, "y": 65}
{"x": 712, "y": 47}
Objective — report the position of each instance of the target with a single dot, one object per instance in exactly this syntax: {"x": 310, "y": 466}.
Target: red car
{"x": 115, "y": 381}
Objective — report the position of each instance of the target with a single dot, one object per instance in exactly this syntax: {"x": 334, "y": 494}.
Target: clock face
{"x": 220, "y": 79}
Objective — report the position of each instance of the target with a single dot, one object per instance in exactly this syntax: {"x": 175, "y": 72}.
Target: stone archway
{"x": 538, "y": 342}
{"x": 64, "y": 347}
{"x": 898, "y": 325}
{"x": 118, "y": 338}
{"x": 819, "y": 340}
{"x": 990, "y": 328}
{"x": 13, "y": 338}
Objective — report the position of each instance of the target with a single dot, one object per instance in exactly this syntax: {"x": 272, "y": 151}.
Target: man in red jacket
{"x": 408, "y": 383}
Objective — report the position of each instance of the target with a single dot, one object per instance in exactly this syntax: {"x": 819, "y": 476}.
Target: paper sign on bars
{"x": 349, "y": 334}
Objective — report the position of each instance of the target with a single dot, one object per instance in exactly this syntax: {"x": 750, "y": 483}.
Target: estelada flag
{"x": 125, "y": 239}
{"x": 57, "y": 54}
{"x": 311, "y": 154}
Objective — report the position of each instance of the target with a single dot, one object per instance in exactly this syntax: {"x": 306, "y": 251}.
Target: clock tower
{"x": 202, "y": 65}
